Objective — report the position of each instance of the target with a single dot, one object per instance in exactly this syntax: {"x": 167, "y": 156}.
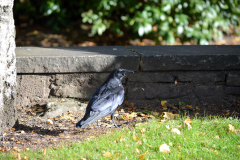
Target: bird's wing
{"x": 107, "y": 99}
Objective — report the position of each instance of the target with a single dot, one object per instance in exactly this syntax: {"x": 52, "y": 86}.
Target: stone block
{"x": 175, "y": 58}
{"x": 233, "y": 78}
{"x": 208, "y": 91}
{"x": 75, "y": 59}
{"x": 137, "y": 91}
{"x": 233, "y": 90}
{"x": 151, "y": 77}
{"x": 32, "y": 89}
{"x": 79, "y": 85}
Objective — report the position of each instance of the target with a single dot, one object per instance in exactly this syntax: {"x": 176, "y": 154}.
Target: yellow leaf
{"x": 107, "y": 154}
{"x": 44, "y": 150}
{"x": 143, "y": 130}
{"x": 175, "y": 130}
{"x": 163, "y": 103}
{"x": 135, "y": 138}
{"x": 170, "y": 115}
{"x": 197, "y": 108}
{"x": 141, "y": 157}
{"x": 108, "y": 117}
{"x": 179, "y": 155}
{"x": 121, "y": 139}
{"x": 164, "y": 148}
{"x": 118, "y": 154}
{"x": 16, "y": 155}
{"x": 188, "y": 120}
{"x": 148, "y": 145}
{"x": 190, "y": 106}
{"x": 137, "y": 150}
{"x": 24, "y": 158}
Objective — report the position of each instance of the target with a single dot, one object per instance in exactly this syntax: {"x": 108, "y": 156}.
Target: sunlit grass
{"x": 208, "y": 139}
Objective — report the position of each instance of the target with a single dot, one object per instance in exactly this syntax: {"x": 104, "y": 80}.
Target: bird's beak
{"x": 128, "y": 71}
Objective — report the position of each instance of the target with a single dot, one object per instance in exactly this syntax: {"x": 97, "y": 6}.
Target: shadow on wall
{"x": 74, "y": 72}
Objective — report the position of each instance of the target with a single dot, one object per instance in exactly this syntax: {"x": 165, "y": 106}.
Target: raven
{"x": 105, "y": 99}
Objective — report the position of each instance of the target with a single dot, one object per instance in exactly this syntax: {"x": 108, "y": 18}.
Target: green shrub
{"x": 198, "y": 20}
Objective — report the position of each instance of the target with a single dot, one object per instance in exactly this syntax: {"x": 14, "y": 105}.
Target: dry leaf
{"x": 49, "y": 121}
{"x": 127, "y": 145}
{"x": 92, "y": 137}
{"x": 231, "y": 128}
{"x": 190, "y": 106}
{"x": 175, "y": 130}
{"x": 140, "y": 142}
{"x": 170, "y": 115}
{"x": 217, "y": 137}
{"x": 108, "y": 117}
{"x": 189, "y": 126}
{"x": 16, "y": 155}
{"x": 135, "y": 138}
{"x": 167, "y": 126}
{"x": 148, "y": 145}
{"x": 118, "y": 154}
{"x": 197, "y": 108}
{"x": 227, "y": 114}
{"x": 107, "y": 154}
{"x": 11, "y": 139}
{"x": 121, "y": 139}
{"x": 131, "y": 104}
{"x": 141, "y": 157}
{"x": 137, "y": 150}
{"x": 44, "y": 150}
{"x": 143, "y": 130}
{"x": 188, "y": 120}
{"x": 163, "y": 103}
{"x": 24, "y": 158}
{"x": 164, "y": 148}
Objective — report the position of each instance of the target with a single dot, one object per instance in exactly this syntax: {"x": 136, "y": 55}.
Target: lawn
{"x": 182, "y": 138}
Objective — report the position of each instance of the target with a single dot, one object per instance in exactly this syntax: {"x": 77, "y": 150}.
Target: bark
{"x": 8, "y": 113}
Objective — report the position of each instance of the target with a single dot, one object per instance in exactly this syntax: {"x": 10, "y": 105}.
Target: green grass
{"x": 200, "y": 142}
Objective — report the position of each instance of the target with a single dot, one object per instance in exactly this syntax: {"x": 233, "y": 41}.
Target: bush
{"x": 201, "y": 20}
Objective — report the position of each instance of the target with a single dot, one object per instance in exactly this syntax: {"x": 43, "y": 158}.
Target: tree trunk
{"x": 8, "y": 114}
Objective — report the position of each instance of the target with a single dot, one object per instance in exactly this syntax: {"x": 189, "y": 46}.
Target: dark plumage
{"x": 105, "y": 99}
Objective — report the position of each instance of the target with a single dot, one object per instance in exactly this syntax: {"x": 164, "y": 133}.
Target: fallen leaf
{"x": 179, "y": 155}
{"x": 121, "y": 139}
{"x": 170, "y": 115}
{"x": 148, "y": 145}
{"x": 108, "y": 117}
{"x": 189, "y": 126}
{"x": 197, "y": 108}
{"x": 217, "y": 137}
{"x": 188, "y": 120}
{"x": 167, "y": 126}
{"x": 118, "y": 154}
{"x": 11, "y": 139}
{"x": 143, "y": 130}
{"x": 202, "y": 133}
{"x": 91, "y": 137}
{"x": 163, "y": 103}
{"x": 189, "y": 106}
{"x": 131, "y": 104}
{"x": 127, "y": 145}
{"x": 49, "y": 121}
{"x": 24, "y": 158}
{"x": 175, "y": 130}
{"x": 141, "y": 157}
{"x": 227, "y": 114}
{"x": 164, "y": 148}
{"x": 135, "y": 138}
{"x": 137, "y": 150}
{"x": 196, "y": 114}
{"x": 16, "y": 155}
{"x": 173, "y": 107}
{"x": 44, "y": 150}
{"x": 231, "y": 128}
{"x": 140, "y": 142}
{"x": 107, "y": 154}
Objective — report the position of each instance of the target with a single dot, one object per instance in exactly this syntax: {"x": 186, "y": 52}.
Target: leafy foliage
{"x": 201, "y": 20}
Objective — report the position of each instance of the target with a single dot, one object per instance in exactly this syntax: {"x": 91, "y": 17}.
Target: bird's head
{"x": 120, "y": 73}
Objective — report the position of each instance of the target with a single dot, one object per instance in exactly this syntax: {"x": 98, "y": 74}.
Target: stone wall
{"x": 190, "y": 74}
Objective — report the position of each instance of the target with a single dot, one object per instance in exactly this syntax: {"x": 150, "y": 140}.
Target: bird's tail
{"x": 92, "y": 117}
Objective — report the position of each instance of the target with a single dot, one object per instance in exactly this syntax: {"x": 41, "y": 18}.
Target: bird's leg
{"x": 112, "y": 118}
{"x": 97, "y": 124}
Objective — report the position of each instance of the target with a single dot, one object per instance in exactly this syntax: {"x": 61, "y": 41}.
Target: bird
{"x": 105, "y": 99}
